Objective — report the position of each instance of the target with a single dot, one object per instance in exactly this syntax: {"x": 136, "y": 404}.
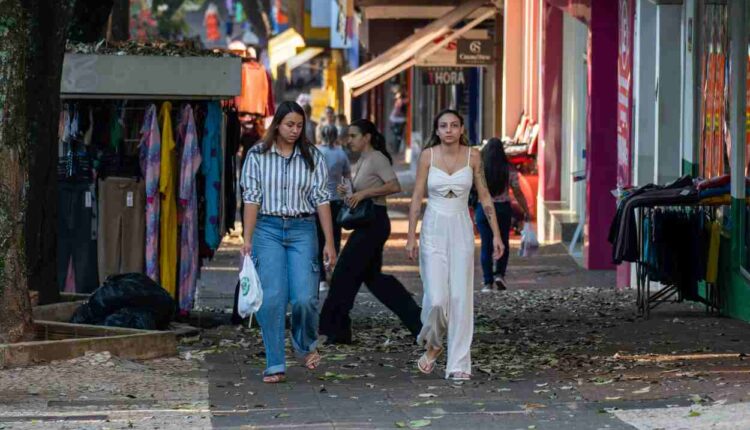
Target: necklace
{"x": 453, "y": 166}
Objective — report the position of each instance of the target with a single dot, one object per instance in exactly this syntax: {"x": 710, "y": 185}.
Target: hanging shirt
{"x": 190, "y": 162}
{"x": 211, "y": 168}
{"x": 284, "y": 186}
{"x": 255, "y": 96}
{"x": 167, "y": 179}
{"x": 150, "y": 158}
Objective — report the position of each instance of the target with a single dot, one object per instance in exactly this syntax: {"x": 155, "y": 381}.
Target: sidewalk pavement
{"x": 560, "y": 349}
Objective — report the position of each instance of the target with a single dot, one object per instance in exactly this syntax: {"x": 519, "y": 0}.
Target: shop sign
{"x": 443, "y": 76}
{"x": 624, "y": 92}
{"x": 447, "y": 55}
{"x": 474, "y": 52}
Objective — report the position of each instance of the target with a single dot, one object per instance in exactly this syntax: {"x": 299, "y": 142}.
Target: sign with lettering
{"x": 475, "y": 52}
{"x": 447, "y": 55}
{"x": 443, "y": 76}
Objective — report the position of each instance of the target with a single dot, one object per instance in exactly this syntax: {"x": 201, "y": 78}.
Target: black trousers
{"x": 335, "y": 209}
{"x": 77, "y": 235}
{"x": 360, "y": 261}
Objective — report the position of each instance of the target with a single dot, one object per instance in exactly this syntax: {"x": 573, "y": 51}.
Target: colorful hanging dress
{"x": 189, "y": 165}
{"x": 211, "y": 168}
{"x": 168, "y": 188}
{"x": 150, "y": 158}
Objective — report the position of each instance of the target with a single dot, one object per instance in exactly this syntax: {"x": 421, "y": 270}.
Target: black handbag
{"x": 358, "y": 217}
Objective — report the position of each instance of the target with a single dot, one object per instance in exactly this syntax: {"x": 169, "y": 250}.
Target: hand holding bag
{"x": 529, "y": 242}
{"x": 358, "y": 217}
{"x": 251, "y": 295}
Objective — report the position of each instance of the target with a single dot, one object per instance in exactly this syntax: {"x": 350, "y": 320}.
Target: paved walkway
{"x": 560, "y": 349}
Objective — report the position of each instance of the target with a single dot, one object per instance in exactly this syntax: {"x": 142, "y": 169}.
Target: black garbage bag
{"x": 132, "y": 318}
{"x": 129, "y": 290}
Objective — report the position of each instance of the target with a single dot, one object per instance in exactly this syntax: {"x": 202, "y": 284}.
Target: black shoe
{"x": 500, "y": 283}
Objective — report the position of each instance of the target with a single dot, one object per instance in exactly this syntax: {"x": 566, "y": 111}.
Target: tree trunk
{"x": 120, "y": 20}
{"x": 48, "y": 29}
{"x": 15, "y": 308}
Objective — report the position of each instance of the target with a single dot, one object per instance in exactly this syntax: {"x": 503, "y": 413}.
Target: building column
{"x": 513, "y": 45}
{"x": 550, "y": 115}
{"x": 644, "y": 87}
{"x": 668, "y": 94}
{"x": 601, "y": 142}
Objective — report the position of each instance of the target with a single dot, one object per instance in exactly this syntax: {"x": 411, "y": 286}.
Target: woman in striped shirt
{"x": 285, "y": 183}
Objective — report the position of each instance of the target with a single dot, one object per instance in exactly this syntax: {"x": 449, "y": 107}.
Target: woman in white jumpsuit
{"x": 448, "y": 168}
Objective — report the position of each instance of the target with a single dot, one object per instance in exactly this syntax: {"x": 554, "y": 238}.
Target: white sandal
{"x": 459, "y": 376}
{"x": 425, "y": 364}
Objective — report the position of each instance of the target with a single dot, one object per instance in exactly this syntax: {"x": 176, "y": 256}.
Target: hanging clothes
{"x": 211, "y": 168}
{"x": 167, "y": 180}
{"x": 211, "y": 22}
{"x": 256, "y": 96}
{"x": 150, "y": 156}
{"x": 233, "y": 130}
{"x": 189, "y": 165}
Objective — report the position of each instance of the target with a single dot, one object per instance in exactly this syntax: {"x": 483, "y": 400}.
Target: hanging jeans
{"x": 122, "y": 226}
{"x": 503, "y": 211}
{"x": 77, "y": 235}
{"x": 361, "y": 261}
{"x": 285, "y": 253}
{"x": 335, "y": 209}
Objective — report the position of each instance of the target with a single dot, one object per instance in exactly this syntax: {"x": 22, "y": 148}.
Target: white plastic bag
{"x": 529, "y": 243}
{"x": 251, "y": 295}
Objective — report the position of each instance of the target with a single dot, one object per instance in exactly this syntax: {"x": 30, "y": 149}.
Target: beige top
{"x": 373, "y": 170}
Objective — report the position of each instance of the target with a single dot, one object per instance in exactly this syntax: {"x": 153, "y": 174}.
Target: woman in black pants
{"x": 361, "y": 260}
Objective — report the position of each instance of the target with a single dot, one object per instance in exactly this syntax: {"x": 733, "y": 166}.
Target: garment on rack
{"x": 167, "y": 189}
{"x": 623, "y": 233}
{"x": 189, "y": 166}
{"x": 712, "y": 263}
{"x": 77, "y": 233}
{"x": 150, "y": 147}
{"x": 122, "y": 226}
{"x": 256, "y": 96}
{"x": 211, "y": 167}
{"x": 233, "y": 129}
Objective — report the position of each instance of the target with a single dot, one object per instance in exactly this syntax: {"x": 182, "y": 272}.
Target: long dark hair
{"x": 496, "y": 166}
{"x": 376, "y": 137}
{"x": 434, "y": 140}
{"x": 269, "y": 138}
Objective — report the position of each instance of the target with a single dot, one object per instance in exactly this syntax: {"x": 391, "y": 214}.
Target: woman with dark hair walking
{"x": 501, "y": 176}
{"x": 448, "y": 168}
{"x": 362, "y": 257}
{"x": 284, "y": 181}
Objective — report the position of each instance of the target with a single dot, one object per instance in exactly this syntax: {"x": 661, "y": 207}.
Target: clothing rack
{"x": 670, "y": 292}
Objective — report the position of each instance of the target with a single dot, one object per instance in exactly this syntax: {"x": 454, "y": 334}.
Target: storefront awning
{"x": 302, "y": 58}
{"x": 283, "y": 47}
{"x": 407, "y": 53}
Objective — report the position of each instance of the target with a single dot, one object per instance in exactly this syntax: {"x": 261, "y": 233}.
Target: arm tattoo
{"x": 489, "y": 212}
{"x": 480, "y": 174}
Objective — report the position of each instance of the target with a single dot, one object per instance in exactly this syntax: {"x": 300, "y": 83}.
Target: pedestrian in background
{"x": 285, "y": 182}
{"x": 448, "y": 168}
{"x": 501, "y": 176}
{"x": 362, "y": 257}
{"x": 339, "y": 171}
{"x": 310, "y": 126}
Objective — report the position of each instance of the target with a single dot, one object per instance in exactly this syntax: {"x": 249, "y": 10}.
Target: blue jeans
{"x": 285, "y": 252}
{"x": 503, "y": 212}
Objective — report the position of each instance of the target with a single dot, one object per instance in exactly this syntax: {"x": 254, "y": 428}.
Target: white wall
{"x": 575, "y": 77}
{"x": 688, "y": 132}
{"x": 669, "y": 93}
{"x": 644, "y": 92}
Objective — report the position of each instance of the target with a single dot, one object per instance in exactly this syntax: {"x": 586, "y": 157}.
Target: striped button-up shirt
{"x": 284, "y": 186}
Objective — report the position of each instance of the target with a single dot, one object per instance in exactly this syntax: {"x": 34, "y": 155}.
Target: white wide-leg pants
{"x": 446, "y": 266}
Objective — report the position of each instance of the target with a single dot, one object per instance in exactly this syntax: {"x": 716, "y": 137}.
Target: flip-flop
{"x": 426, "y": 364}
{"x": 460, "y": 376}
{"x": 276, "y": 378}
{"x": 312, "y": 360}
